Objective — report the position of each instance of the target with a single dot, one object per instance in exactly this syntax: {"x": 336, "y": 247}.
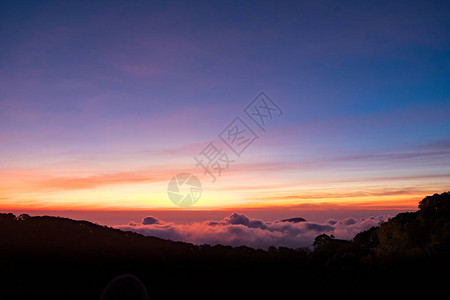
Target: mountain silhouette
{"x": 58, "y": 258}
{"x": 293, "y": 220}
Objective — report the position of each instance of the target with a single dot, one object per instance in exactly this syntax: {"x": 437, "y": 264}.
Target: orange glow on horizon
{"x": 400, "y": 202}
{"x": 146, "y": 189}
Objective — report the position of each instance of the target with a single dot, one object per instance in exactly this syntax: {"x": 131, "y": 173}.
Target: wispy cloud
{"x": 29, "y": 180}
{"x": 394, "y": 156}
{"x": 84, "y": 182}
{"x": 323, "y": 194}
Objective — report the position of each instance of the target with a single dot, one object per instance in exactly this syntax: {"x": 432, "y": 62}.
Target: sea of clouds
{"x": 238, "y": 229}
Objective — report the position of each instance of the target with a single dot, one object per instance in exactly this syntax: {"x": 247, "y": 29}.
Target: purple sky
{"x": 101, "y": 103}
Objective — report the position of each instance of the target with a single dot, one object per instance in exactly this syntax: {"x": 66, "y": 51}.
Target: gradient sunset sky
{"x": 103, "y": 102}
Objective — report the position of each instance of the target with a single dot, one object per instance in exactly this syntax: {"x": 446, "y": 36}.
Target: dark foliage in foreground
{"x": 58, "y": 258}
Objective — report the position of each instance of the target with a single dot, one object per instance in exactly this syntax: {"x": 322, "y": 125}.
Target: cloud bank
{"x": 238, "y": 230}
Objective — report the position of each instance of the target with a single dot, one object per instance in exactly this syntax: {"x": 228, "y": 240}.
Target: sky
{"x": 102, "y": 103}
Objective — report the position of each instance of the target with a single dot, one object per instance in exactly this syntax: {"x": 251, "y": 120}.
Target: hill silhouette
{"x": 59, "y": 258}
{"x": 294, "y": 220}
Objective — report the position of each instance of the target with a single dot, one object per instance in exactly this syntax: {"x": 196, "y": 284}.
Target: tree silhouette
{"x": 321, "y": 241}
{"x": 439, "y": 203}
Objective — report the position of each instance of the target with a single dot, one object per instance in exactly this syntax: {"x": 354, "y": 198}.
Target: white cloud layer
{"x": 237, "y": 230}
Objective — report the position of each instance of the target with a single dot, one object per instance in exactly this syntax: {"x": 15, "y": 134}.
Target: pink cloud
{"x": 238, "y": 229}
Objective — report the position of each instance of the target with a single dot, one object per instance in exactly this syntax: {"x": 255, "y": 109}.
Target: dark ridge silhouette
{"x": 294, "y": 220}
{"x": 58, "y": 258}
